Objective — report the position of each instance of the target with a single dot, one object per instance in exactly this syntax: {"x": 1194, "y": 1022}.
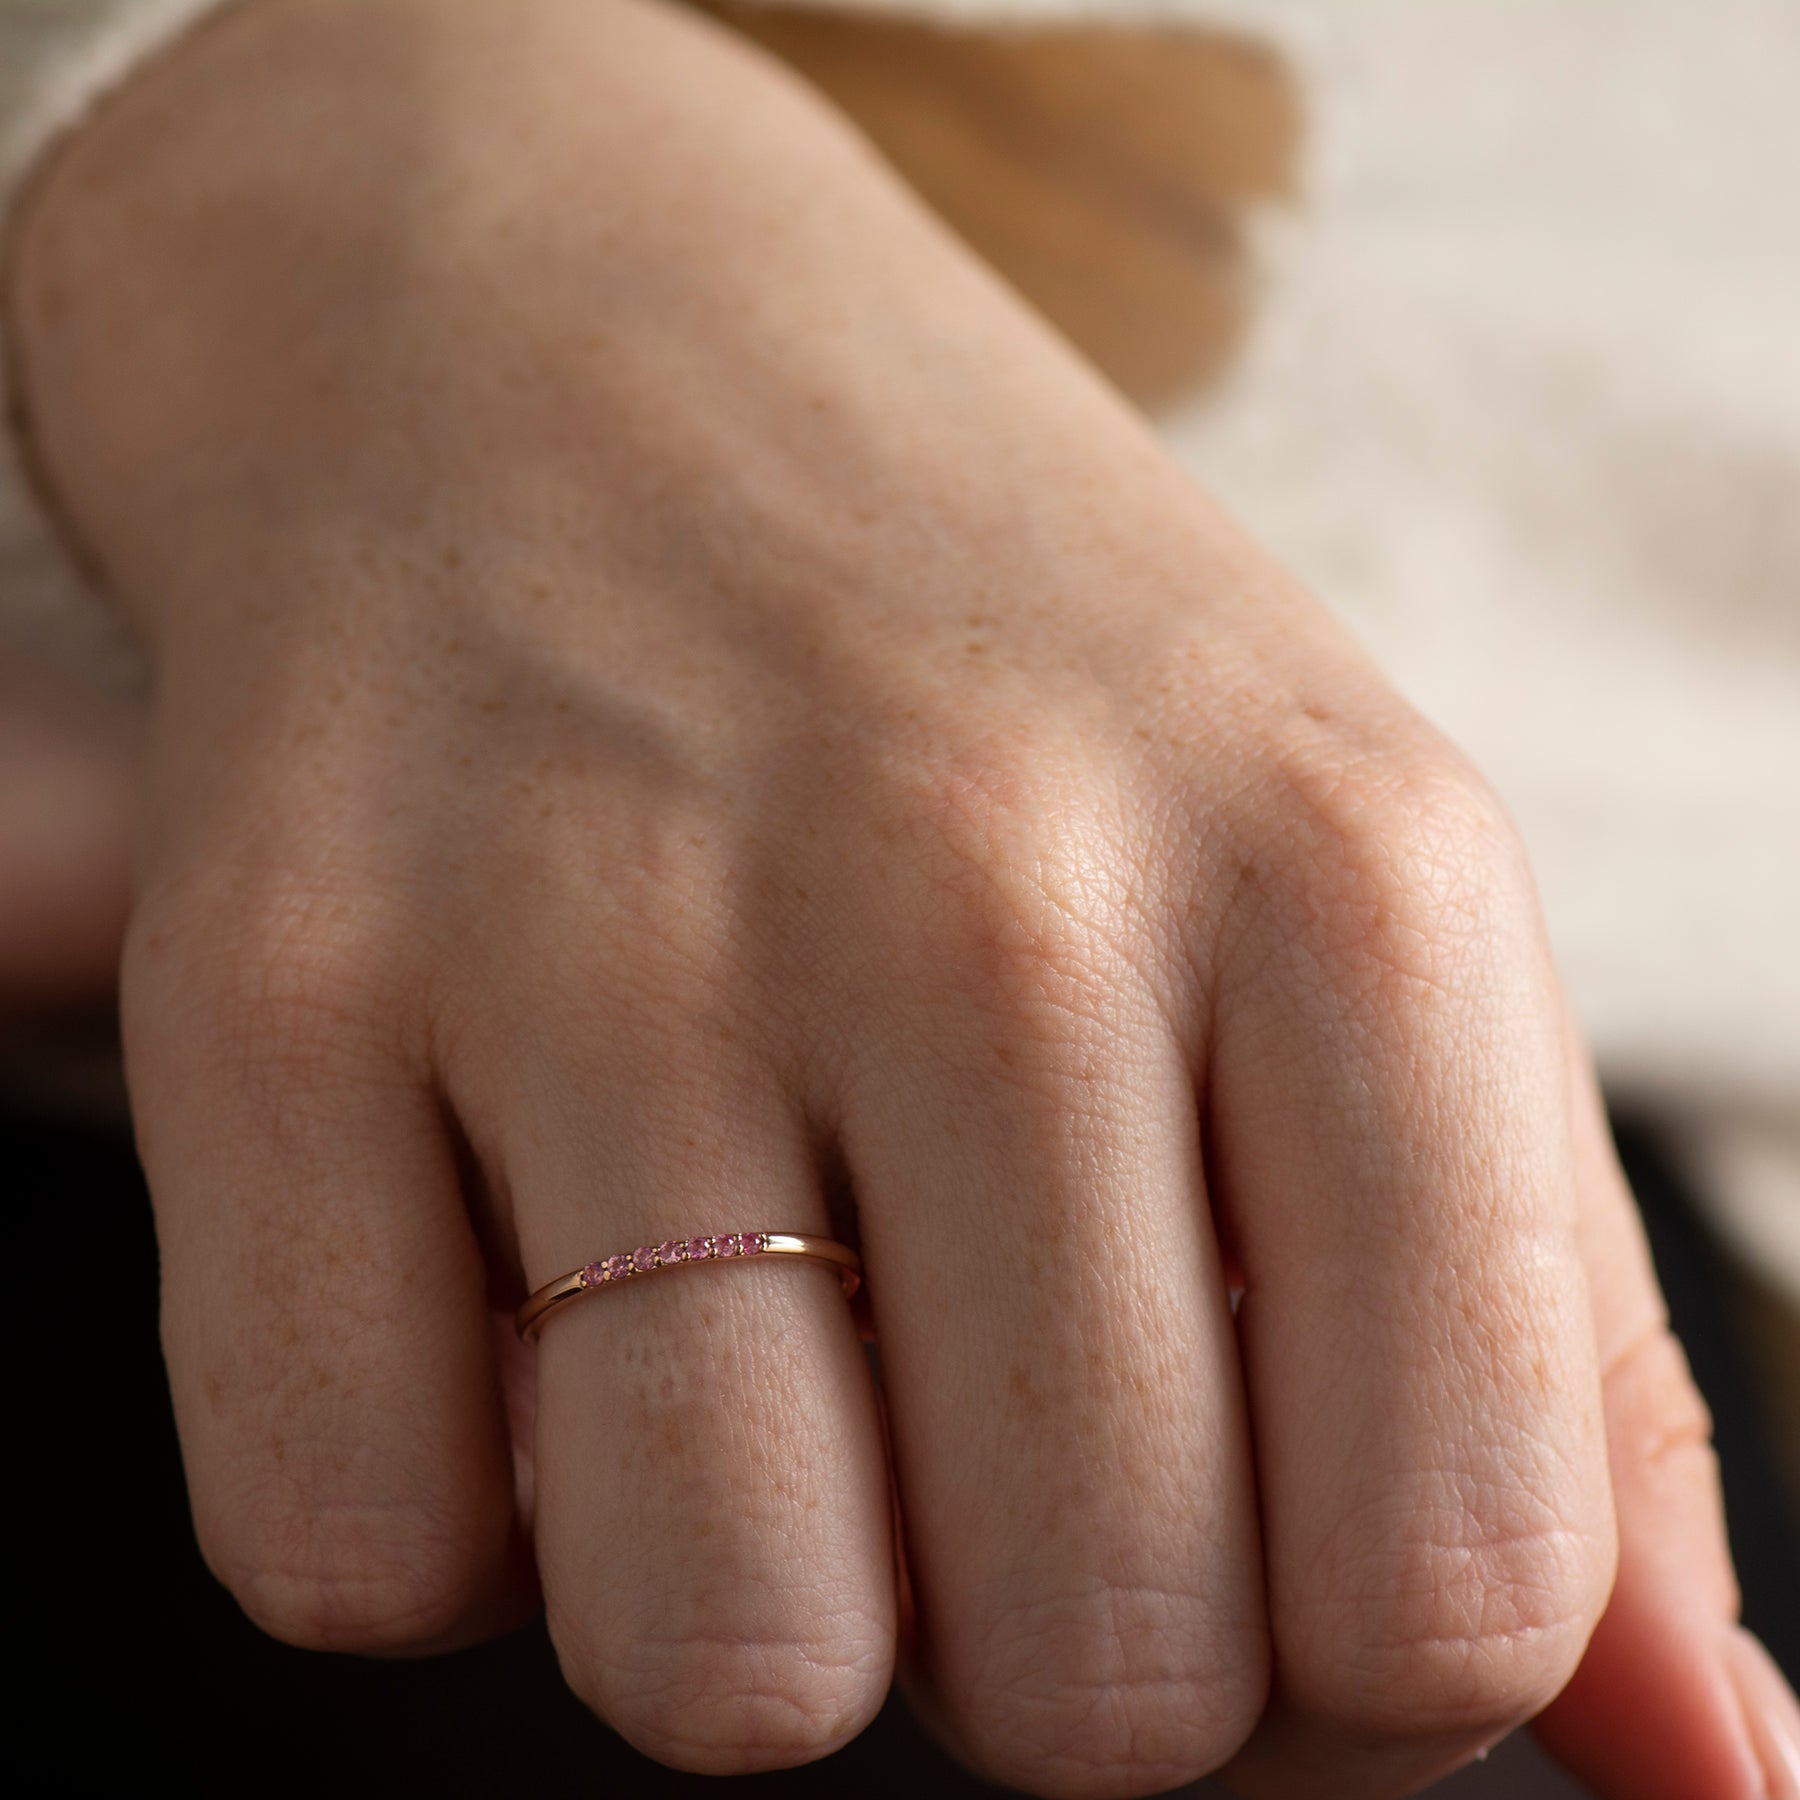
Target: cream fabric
{"x": 1525, "y": 405}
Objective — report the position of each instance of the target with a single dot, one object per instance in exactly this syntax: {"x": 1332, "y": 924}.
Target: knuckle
{"x": 365, "y": 1579}
{"x": 1656, "y": 1411}
{"x": 655, "y": 927}
{"x": 1114, "y": 1692}
{"x": 733, "y": 1702}
{"x": 1011, "y": 890}
{"x": 1453, "y": 1636}
{"x": 259, "y": 971}
{"x": 1395, "y": 871}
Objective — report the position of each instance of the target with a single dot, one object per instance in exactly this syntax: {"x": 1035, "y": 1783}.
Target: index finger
{"x": 1389, "y": 1123}
{"x": 1670, "y": 1699}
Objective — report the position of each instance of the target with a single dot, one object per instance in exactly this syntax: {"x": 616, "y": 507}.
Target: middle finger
{"x": 1069, "y": 1436}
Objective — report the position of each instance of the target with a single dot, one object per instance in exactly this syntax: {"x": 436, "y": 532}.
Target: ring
{"x": 678, "y": 1253}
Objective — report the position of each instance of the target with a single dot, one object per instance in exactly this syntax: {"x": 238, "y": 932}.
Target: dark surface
{"x": 140, "y": 1670}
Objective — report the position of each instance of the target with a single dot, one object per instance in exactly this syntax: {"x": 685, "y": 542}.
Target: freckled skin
{"x": 680, "y": 707}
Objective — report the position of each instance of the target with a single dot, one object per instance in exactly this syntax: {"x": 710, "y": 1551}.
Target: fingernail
{"x": 1770, "y": 1710}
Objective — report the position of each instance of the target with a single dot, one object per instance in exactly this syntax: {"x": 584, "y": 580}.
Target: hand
{"x": 678, "y": 706}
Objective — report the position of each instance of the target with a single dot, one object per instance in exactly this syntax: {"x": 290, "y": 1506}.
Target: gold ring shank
{"x": 615, "y": 1271}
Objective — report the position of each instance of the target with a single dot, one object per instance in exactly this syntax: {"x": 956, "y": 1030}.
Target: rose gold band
{"x": 647, "y": 1259}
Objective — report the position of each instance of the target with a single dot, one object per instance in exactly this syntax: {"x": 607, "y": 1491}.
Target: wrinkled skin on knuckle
{"x": 367, "y": 1578}
{"x": 1455, "y": 1578}
{"x": 769, "y": 1639}
{"x": 1013, "y": 891}
{"x": 1654, "y": 1409}
{"x": 1470, "y": 1621}
{"x": 725, "y": 1691}
{"x": 1395, "y": 872}
{"x": 1385, "y": 947}
{"x": 268, "y": 975}
{"x": 1113, "y": 1690}
{"x": 1660, "y": 1438}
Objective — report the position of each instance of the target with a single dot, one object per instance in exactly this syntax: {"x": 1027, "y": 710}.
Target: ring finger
{"x": 713, "y": 1527}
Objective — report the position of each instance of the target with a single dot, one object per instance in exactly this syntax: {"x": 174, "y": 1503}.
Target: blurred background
{"x": 1481, "y": 313}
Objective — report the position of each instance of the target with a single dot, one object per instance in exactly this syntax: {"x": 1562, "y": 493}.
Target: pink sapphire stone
{"x": 617, "y": 1267}
{"x": 593, "y": 1275}
{"x": 670, "y": 1252}
{"x": 699, "y": 1249}
{"x": 750, "y": 1244}
{"x": 725, "y": 1246}
{"x": 643, "y": 1258}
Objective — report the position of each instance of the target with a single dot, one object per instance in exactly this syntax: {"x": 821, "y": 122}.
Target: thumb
{"x": 1672, "y": 1700}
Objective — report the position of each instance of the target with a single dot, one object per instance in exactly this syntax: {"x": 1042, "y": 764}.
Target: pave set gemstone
{"x": 671, "y": 1252}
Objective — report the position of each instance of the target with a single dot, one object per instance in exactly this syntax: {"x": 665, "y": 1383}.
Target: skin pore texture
{"x": 679, "y": 705}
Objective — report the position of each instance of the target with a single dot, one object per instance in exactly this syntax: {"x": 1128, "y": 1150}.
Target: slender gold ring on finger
{"x": 680, "y": 1253}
